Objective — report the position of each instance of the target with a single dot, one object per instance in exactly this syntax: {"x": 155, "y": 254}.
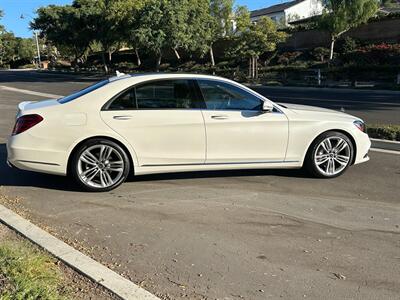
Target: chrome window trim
{"x": 196, "y": 79}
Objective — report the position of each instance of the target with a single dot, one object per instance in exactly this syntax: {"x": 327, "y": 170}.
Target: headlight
{"x": 360, "y": 125}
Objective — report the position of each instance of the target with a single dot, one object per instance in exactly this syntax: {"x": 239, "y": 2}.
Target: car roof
{"x": 161, "y": 75}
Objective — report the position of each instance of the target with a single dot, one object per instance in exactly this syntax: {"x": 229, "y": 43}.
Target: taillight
{"x": 360, "y": 125}
{"x": 23, "y": 123}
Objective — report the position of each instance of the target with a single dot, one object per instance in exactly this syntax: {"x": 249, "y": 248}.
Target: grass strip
{"x": 28, "y": 273}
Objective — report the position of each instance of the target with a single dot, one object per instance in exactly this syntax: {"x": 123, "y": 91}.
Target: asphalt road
{"x": 248, "y": 234}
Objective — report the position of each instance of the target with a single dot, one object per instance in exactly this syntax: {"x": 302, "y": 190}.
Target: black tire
{"x": 75, "y": 161}
{"x": 310, "y": 161}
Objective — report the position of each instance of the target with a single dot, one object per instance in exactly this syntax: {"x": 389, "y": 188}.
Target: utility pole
{"x": 38, "y": 50}
{"x": 37, "y": 41}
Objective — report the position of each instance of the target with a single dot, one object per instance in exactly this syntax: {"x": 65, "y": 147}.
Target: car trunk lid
{"x": 28, "y": 106}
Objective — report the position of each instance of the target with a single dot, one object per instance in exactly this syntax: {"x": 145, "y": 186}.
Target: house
{"x": 287, "y": 12}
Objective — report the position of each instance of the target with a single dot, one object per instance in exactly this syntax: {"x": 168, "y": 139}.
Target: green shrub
{"x": 374, "y": 54}
{"x": 385, "y": 132}
{"x": 287, "y": 58}
{"x": 320, "y": 54}
{"x": 347, "y": 45}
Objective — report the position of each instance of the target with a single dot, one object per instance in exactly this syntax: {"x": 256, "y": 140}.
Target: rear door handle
{"x": 122, "y": 117}
{"x": 219, "y": 117}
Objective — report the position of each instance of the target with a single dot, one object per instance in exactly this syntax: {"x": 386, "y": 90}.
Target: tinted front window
{"x": 223, "y": 96}
{"x": 83, "y": 92}
{"x": 173, "y": 94}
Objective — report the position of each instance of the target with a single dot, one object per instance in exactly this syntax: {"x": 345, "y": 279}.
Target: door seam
{"x": 206, "y": 137}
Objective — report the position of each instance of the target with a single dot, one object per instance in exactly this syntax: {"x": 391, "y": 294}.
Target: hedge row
{"x": 385, "y": 132}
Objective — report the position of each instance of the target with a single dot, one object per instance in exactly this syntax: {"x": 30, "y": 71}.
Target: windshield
{"x": 85, "y": 91}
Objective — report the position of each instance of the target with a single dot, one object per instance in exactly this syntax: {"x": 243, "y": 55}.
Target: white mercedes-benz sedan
{"x": 155, "y": 123}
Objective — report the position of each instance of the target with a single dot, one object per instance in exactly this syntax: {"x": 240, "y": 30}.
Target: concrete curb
{"x": 75, "y": 259}
{"x": 385, "y": 144}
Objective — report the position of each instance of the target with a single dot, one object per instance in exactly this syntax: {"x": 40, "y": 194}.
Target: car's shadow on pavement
{"x": 218, "y": 174}
{"x": 14, "y": 177}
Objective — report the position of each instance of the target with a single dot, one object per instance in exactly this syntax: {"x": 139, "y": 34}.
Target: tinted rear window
{"x": 83, "y": 92}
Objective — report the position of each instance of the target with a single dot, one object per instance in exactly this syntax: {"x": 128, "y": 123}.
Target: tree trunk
{"x": 103, "y": 57}
{"x": 253, "y": 67}
{"x": 333, "y": 40}
{"x": 110, "y": 56}
{"x": 139, "y": 62}
{"x": 176, "y": 54}
{"x": 158, "y": 63}
{"x": 250, "y": 66}
{"x": 212, "y": 56}
{"x": 256, "y": 67}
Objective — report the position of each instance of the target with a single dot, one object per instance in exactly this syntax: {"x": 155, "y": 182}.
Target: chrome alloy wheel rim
{"x": 332, "y": 155}
{"x": 100, "y": 166}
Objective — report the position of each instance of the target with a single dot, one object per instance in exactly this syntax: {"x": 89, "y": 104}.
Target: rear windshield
{"x": 85, "y": 91}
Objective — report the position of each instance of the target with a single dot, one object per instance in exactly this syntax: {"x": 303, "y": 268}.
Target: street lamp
{"x": 37, "y": 40}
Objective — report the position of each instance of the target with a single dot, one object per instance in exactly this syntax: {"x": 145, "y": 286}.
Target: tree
{"x": 391, "y": 3}
{"x": 152, "y": 28}
{"x": 14, "y": 48}
{"x": 2, "y": 33}
{"x": 255, "y": 39}
{"x": 25, "y": 48}
{"x": 8, "y": 44}
{"x": 172, "y": 25}
{"x": 220, "y": 23}
{"x": 132, "y": 36}
{"x": 66, "y": 28}
{"x": 342, "y": 15}
{"x": 199, "y": 33}
{"x": 104, "y": 20}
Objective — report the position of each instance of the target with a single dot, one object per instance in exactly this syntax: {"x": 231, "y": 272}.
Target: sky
{"x": 13, "y": 9}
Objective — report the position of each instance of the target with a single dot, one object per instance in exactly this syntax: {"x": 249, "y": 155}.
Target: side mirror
{"x": 267, "y": 106}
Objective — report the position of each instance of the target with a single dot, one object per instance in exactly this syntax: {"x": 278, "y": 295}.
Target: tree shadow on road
{"x": 43, "y": 77}
{"x": 14, "y": 177}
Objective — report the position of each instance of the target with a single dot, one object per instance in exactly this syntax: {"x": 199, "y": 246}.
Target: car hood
{"x": 297, "y": 108}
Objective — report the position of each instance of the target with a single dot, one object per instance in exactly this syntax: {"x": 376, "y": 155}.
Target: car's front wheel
{"x": 330, "y": 155}
{"x": 99, "y": 165}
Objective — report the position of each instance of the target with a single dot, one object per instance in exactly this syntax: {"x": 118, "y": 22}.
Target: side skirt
{"x": 153, "y": 169}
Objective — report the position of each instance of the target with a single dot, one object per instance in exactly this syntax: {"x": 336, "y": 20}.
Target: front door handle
{"x": 219, "y": 117}
{"x": 122, "y": 117}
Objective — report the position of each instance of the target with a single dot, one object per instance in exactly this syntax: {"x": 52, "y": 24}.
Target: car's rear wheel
{"x": 330, "y": 155}
{"x": 99, "y": 165}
